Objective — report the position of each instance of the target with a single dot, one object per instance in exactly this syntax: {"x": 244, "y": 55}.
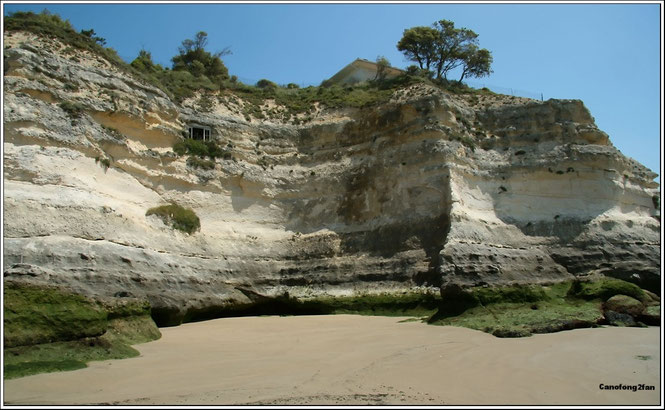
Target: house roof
{"x": 362, "y": 63}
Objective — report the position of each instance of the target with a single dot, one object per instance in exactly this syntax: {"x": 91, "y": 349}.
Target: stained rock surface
{"x": 428, "y": 189}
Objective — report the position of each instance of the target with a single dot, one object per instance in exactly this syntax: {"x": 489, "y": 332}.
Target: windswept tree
{"x": 419, "y": 44}
{"x": 443, "y": 48}
{"x": 194, "y": 58}
{"x": 476, "y": 63}
{"x": 451, "y": 45}
{"x": 93, "y": 36}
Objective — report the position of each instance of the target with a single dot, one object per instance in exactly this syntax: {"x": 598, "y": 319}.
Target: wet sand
{"x": 347, "y": 359}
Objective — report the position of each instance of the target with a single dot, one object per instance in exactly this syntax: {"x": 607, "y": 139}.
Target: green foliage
{"x": 382, "y": 65}
{"x": 201, "y": 149}
{"x": 92, "y": 36}
{"x": 191, "y": 146}
{"x": 51, "y": 25}
{"x": 205, "y": 70}
{"x": 74, "y": 110}
{"x": 104, "y": 162}
{"x": 180, "y": 147}
{"x": 112, "y": 131}
{"x": 38, "y": 315}
{"x": 476, "y": 62}
{"x": 510, "y": 294}
{"x": 31, "y": 366}
{"x": 419, "y": 44}
{"x": 384, "y": 304}
{"x": 466, "y": 141}
{"x": 183, "y": 84}
{"x": 190, "y": 75}
{"x": 206, "y": 103}
{"x": 301, "y": 100}
{"x": 49, "y": 329}
{"x": 195, "y": 162}
{"x": 442, "y": 48}
{"x": 523, "y": 319}
{"x": 606, "y": 288}
{"x": 176, "y": 216}
{"x": 71, "y": 355}
{"x": 510, "y": 311}
{"x": 195, "y": 69}
{"x": 263, "y": 83}
{"x": 143, "y": 62}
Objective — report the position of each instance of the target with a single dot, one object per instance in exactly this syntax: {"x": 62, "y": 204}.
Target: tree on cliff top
{"x": 476, "y": 62}
{"x": 194, "y": 58}
{"x": 442, "y": 48}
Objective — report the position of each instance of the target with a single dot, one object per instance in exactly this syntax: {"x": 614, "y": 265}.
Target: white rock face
{"x": 428, "y": 189}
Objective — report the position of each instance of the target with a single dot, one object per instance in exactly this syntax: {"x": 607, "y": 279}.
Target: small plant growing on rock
{"x": 176, "y": 216}
{"x": 195, "y": 162}
{"x": 104, "y": 162}
{"x": 466, "y": 141}
{"x": 74, "y": 110}
{"x": 113, "y": 131}
{"x": 201, "y": 149}
{"x": 206, "y": 103}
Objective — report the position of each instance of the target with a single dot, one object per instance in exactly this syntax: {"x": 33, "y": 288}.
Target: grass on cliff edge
{"x": 48, "y": 329}
{"x": 516, "y": 311}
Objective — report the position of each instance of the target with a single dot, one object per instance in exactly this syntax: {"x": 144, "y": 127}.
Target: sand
{"x": 347, "y": 359}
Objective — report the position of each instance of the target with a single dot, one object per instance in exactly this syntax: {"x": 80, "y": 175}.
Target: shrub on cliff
{"x": 74, "y": 110}
{"x": 195, "y": 59}
{"x": 51, "y": 25}
{"x": 266, "y": 84}
{"x": 201, "y": 149}
{"x": 176, "y": 216}
{"x": 200, "y": 163}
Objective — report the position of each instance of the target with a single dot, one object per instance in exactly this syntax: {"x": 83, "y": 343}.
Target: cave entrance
{"x": 199, "y": 132}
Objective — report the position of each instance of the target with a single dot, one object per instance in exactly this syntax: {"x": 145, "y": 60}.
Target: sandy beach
{"x": 347, "y": 359}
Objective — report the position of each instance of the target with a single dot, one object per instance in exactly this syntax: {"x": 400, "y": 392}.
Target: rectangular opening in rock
{"x": 199, "y": 132}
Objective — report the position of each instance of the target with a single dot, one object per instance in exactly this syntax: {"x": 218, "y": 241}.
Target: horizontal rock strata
{"x": 427, "y": 189}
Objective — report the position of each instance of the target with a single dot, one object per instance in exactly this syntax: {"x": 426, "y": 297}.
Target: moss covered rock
{"x": 606, "y": 288}
{"x": 624, "y": 304}
{"x": 619, "y": 319}
{"x": 48, "y": 329}
{"x": 37, "y": 314}
{"x": 650, "y": 316}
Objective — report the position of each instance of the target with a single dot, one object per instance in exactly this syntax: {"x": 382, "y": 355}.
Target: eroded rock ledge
{"x": 428, "y": 189}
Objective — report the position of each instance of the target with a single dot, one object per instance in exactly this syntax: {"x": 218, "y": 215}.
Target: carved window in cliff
{"x": 199, "y": 132}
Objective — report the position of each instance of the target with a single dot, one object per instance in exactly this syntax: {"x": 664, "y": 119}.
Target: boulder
{"x": 619, "y": 319}
{"x": 651, "y": 316}
{"x": 624, "y": 304}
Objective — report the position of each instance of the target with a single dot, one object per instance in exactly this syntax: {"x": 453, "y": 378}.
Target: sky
{"x": 607, "y": 55}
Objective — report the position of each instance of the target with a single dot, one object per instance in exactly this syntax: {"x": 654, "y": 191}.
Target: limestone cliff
{"x": 427, "y": 189}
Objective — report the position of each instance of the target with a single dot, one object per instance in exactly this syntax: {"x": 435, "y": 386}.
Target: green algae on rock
{"x": 48, "y": 329}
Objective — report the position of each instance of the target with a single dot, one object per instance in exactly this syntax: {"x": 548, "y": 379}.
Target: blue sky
{"x": 607, "y": 55}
